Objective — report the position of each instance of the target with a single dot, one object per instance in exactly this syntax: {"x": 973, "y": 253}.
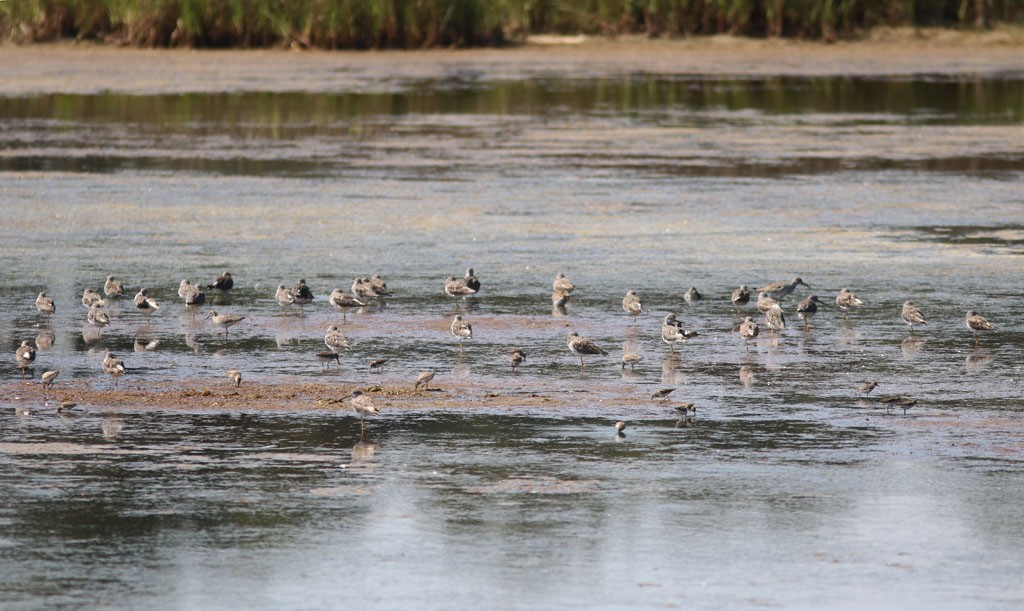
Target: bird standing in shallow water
{"x": 113, "y": 287}
{"x": 631, "y": 359}
{"x": 224, "y": 282}
{"x": 866, "y": 388}
{"x": 748, "y": 331}
{"x": 775, "y": 318}
{"x": 462, "y": 330}
{"x": 911, "y": 315}
{"x": 471, "y": 280}
{"x": 516, "y": 358}
{"x": 90, "y": 297}
{"x": 284, "y": 297}
{"x": 453, "y": 287}
{"x": 335, "y": 340}
{"x": 24, "y": 355}
{"x": 662, "y": 393}
{"x": 423, "y": 380}
{"x": 113, "y": 367}
{"x": 976, "y": 322}
{"x": 692, "y": 295}
{"x": 631, "y": 304}
{"x": 45, "y": 304}
{"x": 672, "y": 333}
{"x": 363, "y": 405}
{"x": 581, "y": 345}
{"x": 740, "y": 297}
{"x": 194, "y": 297}
{"x": 144, "y": 304}
{"x": 765, "y": 303}
{"x": 561, "y": 284}
{"x": 807, "y": 309}
{"x": 779, "y": 290}
{"x": 224, "y": 320}
{"x": 301, "y": 293}
{"x": 847, "y": 300}
{"x": 235, "y": 376}
{"x": 97, "y": 317}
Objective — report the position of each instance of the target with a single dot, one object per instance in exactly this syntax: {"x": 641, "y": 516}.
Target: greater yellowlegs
{"x": 225, "y": 320}
{"x": 581, "y": 346}
{"x": 807, "y": 309}
{"x": 363, "y": 405}
{"x": 779, "y": 290}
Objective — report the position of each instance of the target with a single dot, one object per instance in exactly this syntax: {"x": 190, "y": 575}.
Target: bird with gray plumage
{"x": 976, "y": 322}
{"x": 581, "y": 346}
{"x": 224, "y": 320}
{"x": 631, "y": 359}
{"x": 335, "y": 340}
{"x": 765, "y": 302}
{"x": 284, "y": 297}
{"x": 113, "y": 287}
{"x": 45, "y": 304}
{"x": 453, "y": 287}
{"x": 740, "y": 297}
{"x": 184, "y": 287}
{"x": 363, "y": 405}
{"x": 24, "y": 356}
{"x": 692, "y": 295}
{"x": 911, "y": 315}
{"x": 224, "y": 282}
{"x": 662, "y": 393}
{"x": 378, "y": 364}
{"x": 193, "y": 296}
{"x": 90, "y": 297}
{"x": 462, "y": 330}
{"x": 47, "y": 379}
{"x": 866, "y": 388}
{"x": 423, "y": 379}
{"x": 561, "y": 284}
{"x": 113, "y": 367}
{"x": 301, "y": 293}
{"x": 779, "y": 290}
{"x": 379, "y": 286}
{"x": 673, "y": 333}
{"x": 342, "y": 300}
{"x": 471, "y": 281}
{"x": 748, "y": 331}
{"x": 516, "y": 358}
{"x": 847, "y": 300}
{"x": 631, "y": 304}
{"x": 235, "y": 376}
{"x": 144, "y": 304}
{"x": 807, "y": 309}
{"x": 775, "y": 318}
{"x": 97, "y": 317}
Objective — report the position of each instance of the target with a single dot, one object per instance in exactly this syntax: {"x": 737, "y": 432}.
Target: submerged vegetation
{"x": 425, "y": 23}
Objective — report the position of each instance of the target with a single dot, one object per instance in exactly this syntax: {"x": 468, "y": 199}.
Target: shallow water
{"x": 789, "y": 490}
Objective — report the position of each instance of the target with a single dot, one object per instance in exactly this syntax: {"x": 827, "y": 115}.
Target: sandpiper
{"x": 335, "y": 340}
{"x": 184, "y": 287}
{"x": 47, "y": 379}
{"x": 619, "y": 427}
{"x": 581, "y": 345}
{"x": 224, "y": 320}
{"x": 342, "y": 300}
{"x": 284, "y": 297}
{"x": 559, "y": 299}
{"x": 662, "y": 393}
{"x": 471, "y": 281}
{"x": 775, "y": 318}
{"x": 562, "y": 284}
{"x": 224, "y": 282}
{"x": 462, "y": 330}
{"x": 24, "y": 355}
{"x": 692, "y": 295}
{"x": 423, "y": 379}
{"x": 194, "y": 297}
{"x": 866, "y": 388}
{"x": 363, "y": 406}
{"x": 807, "y": 309}
{"x": 631, "y": 359}
{"x": 454, "y": 287}
{"x": 326, "y": 357}
{"x": 113, "y": 287}
{"x": 90, "y": 297}
{"x": 779, "y": 290}
{"x": 144, "y": 304}
{"x": 847, "y": 300}
{"x": 672, "y": 333}
{"x": 113, "y": 367}
{"x": 912, "y": 315}
{"x": 97, "y": 317}
{"x": 740, "y": 297}
{"x": 301, "y": 293}
{"x": 516, "y": 358}
{"x": 748, "y": 331}
{"x": 378, "y": 364}
{"x": 379, "y": 286}
{"x": 631, "y": 304}
{"x": 235, "y": 376}
{"x": 765, "y": 303}
{"x": 976, "y": 322}
{"x": 45, "y": 304}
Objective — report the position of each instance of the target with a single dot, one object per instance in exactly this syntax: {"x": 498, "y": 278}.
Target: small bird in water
{"x": 326, "y": 357}
{"x": 740, "y": 297}
{"x": 581, "y": 345}
{"x": 462, "y": 330}
{"x": 97, "y": 317}
{"x": 561, "y": 284}
{"x": 631, "y": 304}
{"x": 516, "y": 358}
{"x": 559, "y": 299}
{"x": 184, "y": 287}
{"x": 976, "y": 322}
{"x": 378, "y": 364}
{"x": 765, "y": 303}
{"x": 224, "y": 282}
{"x": 225, "y": 320}
{"x": 866, "y": 388}
{"x": 113, "y": 287}
{"x": 631, "y": 359}
{"x": 807, "y": 309}
{"x": 775, "y": 318}
{"x": 423, "y": 380}
{"x": 673, "y": 333}
{"x": 847, "y": 300}
{"x": 619, "y": 427}
{"x": 235, "y": 376}
{"x": 194, "y": 297}
{"x": 341, "y": 300}
{"x": 301, "y": 293}
{"x": 748, "y": 331}
{"x": 144, "y": 304}
{"x": 662, "y": 393}
{"x": 24, "y": 355}
{"x": 453, "y": 287}
{"x": 685, "y": 412}
{"x": 113, "y": 367}
{"x": 363, "y": 405}
{"x": 692, "y": 295}
{"x": 779, "y": 290}
{"x": 284, "y": 297}
{"x": 471, "y": 281}
{"x": 335, "y": 340}
{"x": 47, "y": 378}
{"x": 379, "y": 286}
{"x": 90, "y": 297}
{"x": 45, "y": 304}
{"x": 911, "y": 315}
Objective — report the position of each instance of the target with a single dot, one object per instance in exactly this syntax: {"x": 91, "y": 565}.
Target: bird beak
{"x": 345, "y": 397}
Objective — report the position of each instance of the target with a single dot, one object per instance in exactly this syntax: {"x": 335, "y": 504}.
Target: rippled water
{"x": 789, "y": 490}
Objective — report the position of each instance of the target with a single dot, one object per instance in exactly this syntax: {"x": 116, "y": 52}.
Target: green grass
{"x": 429, "y": 23}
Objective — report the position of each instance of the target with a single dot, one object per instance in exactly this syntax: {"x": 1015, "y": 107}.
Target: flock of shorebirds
{"x": 365, "y": 290}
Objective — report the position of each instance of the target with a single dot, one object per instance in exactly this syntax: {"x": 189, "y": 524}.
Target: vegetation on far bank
{"x": 334, "y": 24}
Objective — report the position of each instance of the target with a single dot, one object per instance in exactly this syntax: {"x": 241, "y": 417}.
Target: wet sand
{"x": 85, "y": 68}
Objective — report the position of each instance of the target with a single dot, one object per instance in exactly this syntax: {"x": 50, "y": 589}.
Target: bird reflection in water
{"x": 364, "y": 451}
{"x": 111, "y": 427}
{"x": 978, "y": 359}
{"x": 912, "y": 345}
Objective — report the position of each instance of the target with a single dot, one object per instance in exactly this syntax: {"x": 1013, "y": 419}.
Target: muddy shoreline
{"x": 87, "y": 68}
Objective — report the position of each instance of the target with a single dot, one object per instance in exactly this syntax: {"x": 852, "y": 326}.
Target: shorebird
{"x": 113, "y": 287}
{"x": 692, "y": 294}
{"x": 775, "y": 318}
{"x": 326, "y": 357}
{"x": 906, "y": 404}
{"x": 113, "y": 367}
{"x": 779, "y": 290}
{"x": 672, "y": 333}
{"x": 90, "y": 297}
{"x": 335, "y": 340}
{"x": 363, "y": 405}
{"x": 144, "y": 304}
{"x": 235, "y": 376}
{"x": 976, "y": 322}
{"x": 581, "y": 345}
{"x": 362, "y": 288}
{"x": 145, "y": 344}
{"x": 224, "y": 282}
{"x": 559, "y": 299}
{"x": 631, "y": 359}
{"x": 378, "y": 364}
{"x": 619, "y": 426}
{"x": 847, "y": 300}
{"x": 47, "y": 380}
{"x": 24, "y": 355}
{"x": 912, "y": 315}
{"x": 194, "y": 297}
{"x": 97, "y": 317}
{"x": 379, "y": 286}
{"x": 284, "y": 296}
{"x": 301, "y": 293}
{"x": 562, "y": 284}
{"x": 740, "y": 297}
{"x": 684, "y": 411}
{"x": 807, "y": 309}
{"x": 516, "y": 358}
{"x": 748, "y": 331}
{"x": 453, "y": 287}
{"x": 184, "y": 287}
{"x": 662, "y": 393}
{"x": 423, "y": 380}
{"x": 224, "y": 320}
{"x": 342, "y": 300}
{"x": 462, "y": 330}
{"x": 471, "y": 280}
{"x": 631, "y": 304}
{"x": 765, "y": 303}
{"x": 866, "y": 388}
{"x": 45, "y": 304}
